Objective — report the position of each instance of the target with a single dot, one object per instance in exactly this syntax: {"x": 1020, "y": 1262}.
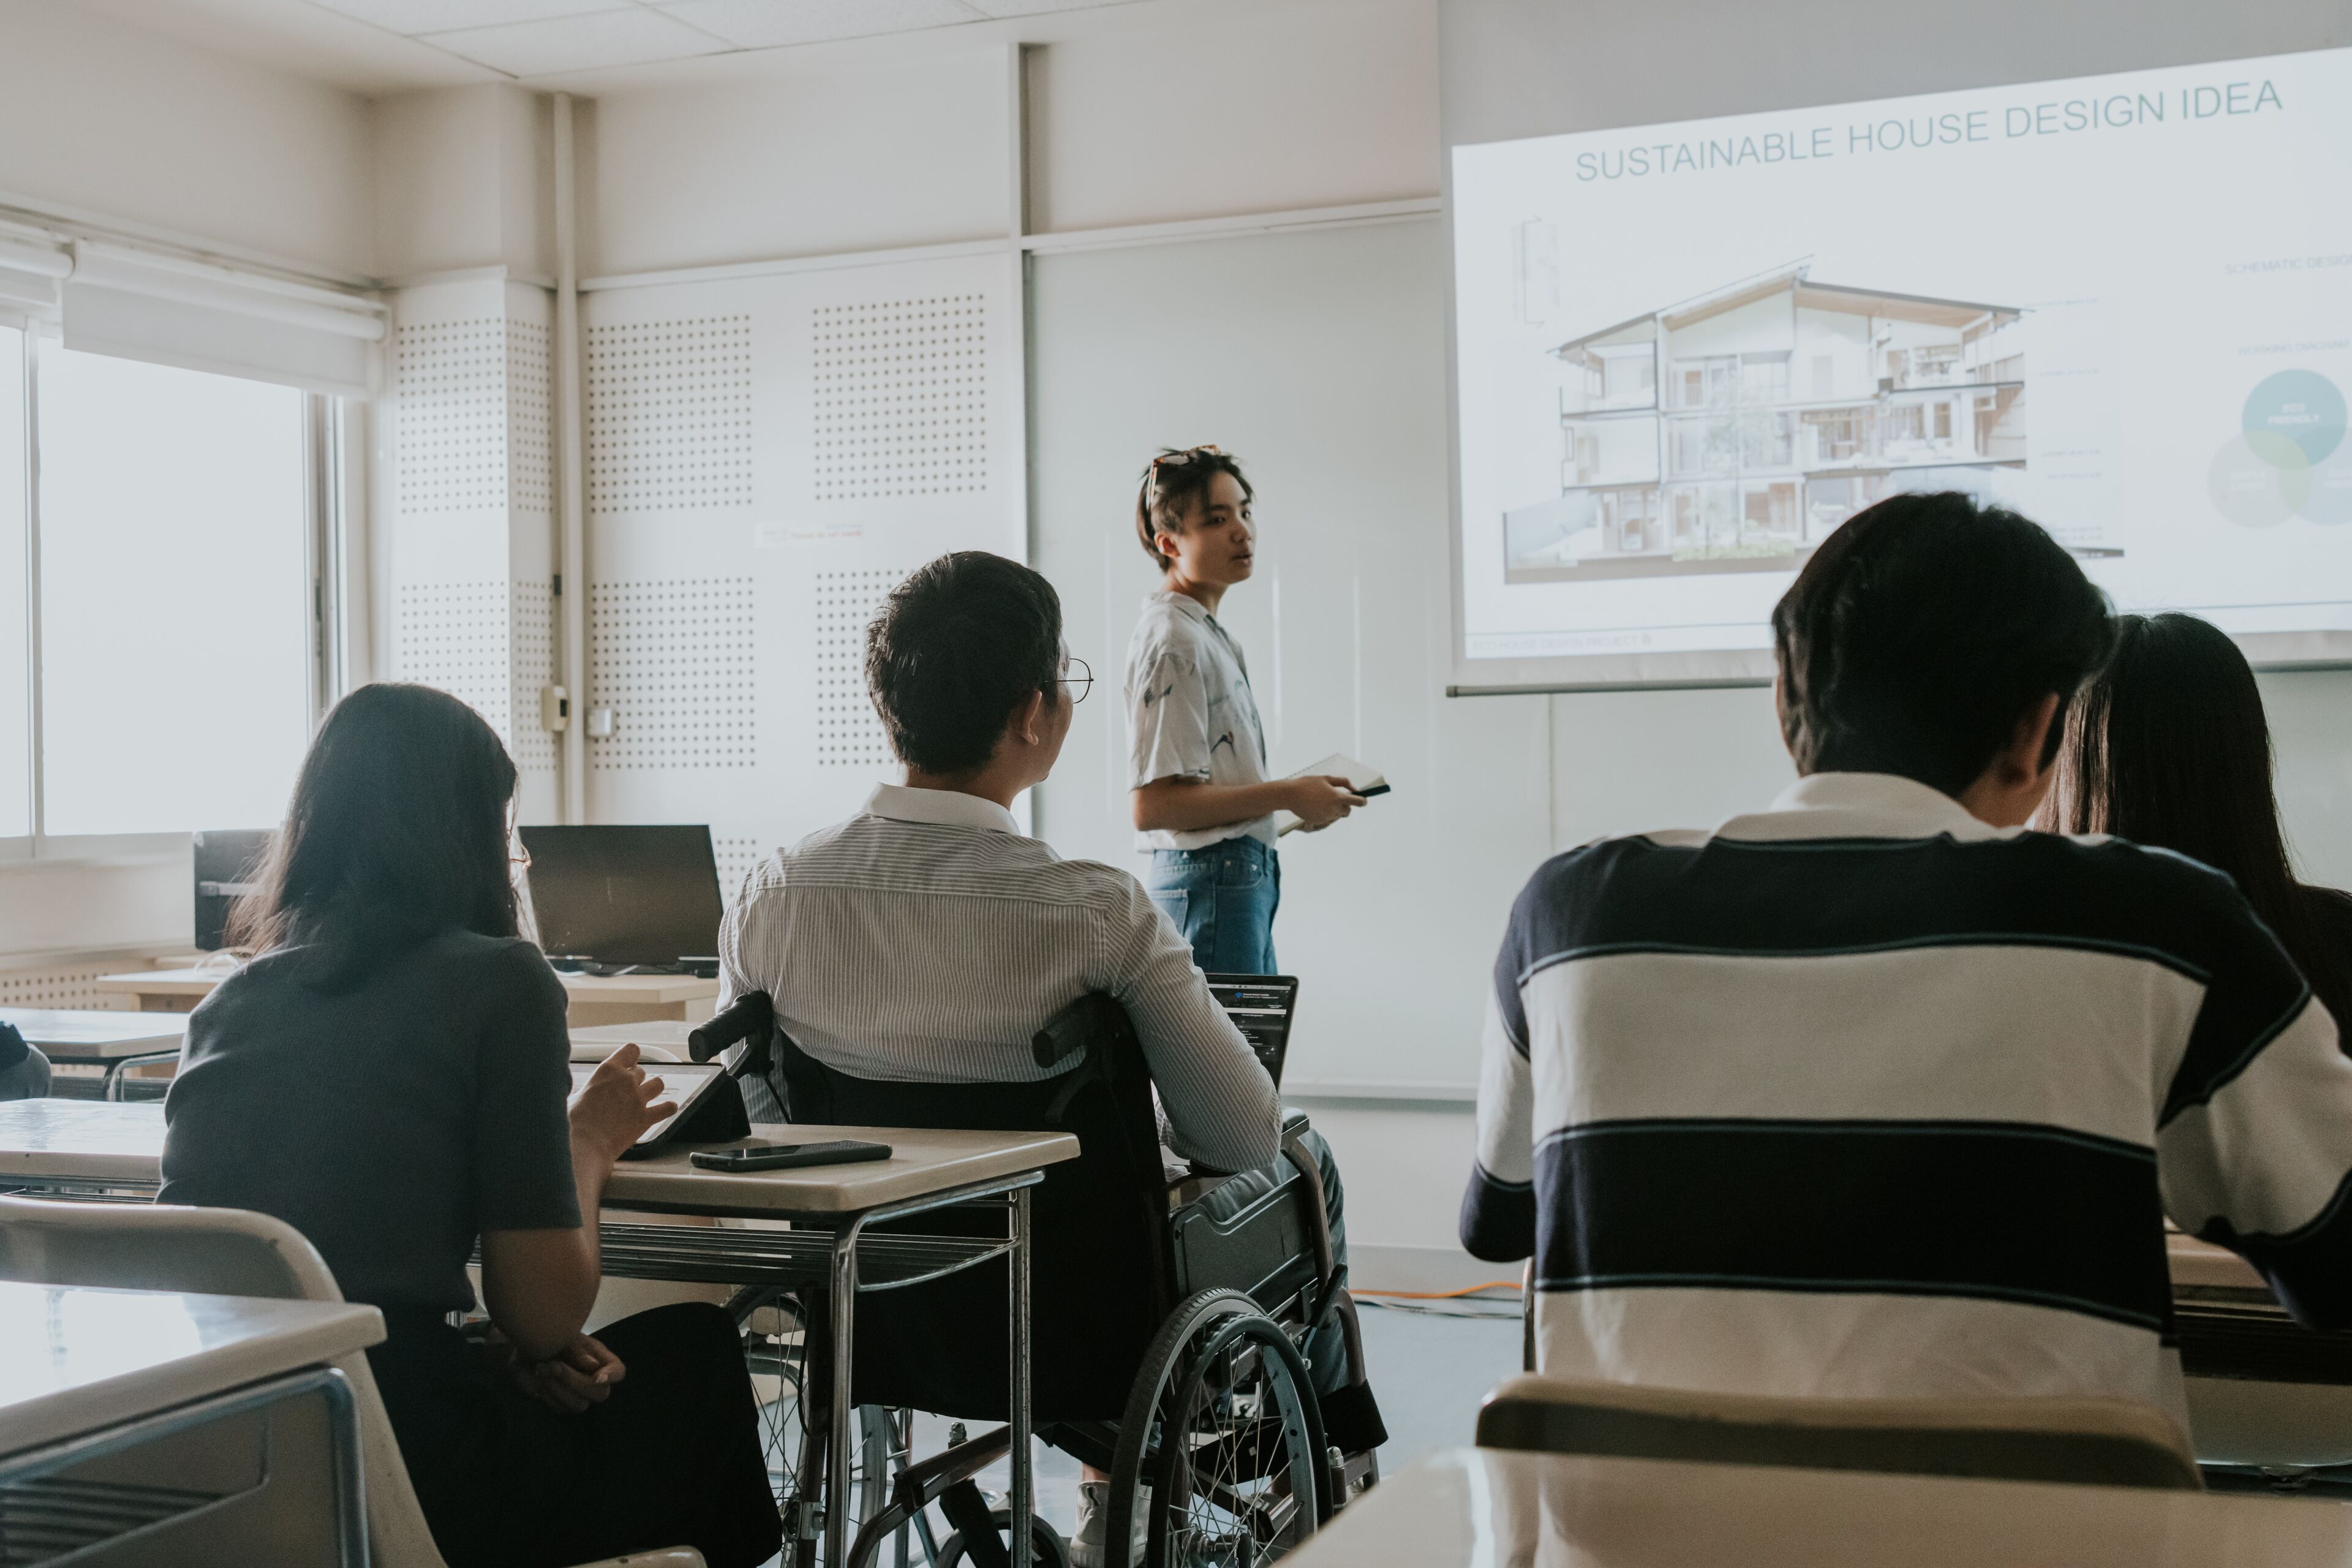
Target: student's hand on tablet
{"x": 1318, "y": 800}
{"x": 613, "y": 1109}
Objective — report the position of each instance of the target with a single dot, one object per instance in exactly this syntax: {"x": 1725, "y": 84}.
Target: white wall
{"x": 1285, "y": 107}
{"x": 464, "y": 178}
{"x": 762, "y": 161}
{"x": 107, "y": 118}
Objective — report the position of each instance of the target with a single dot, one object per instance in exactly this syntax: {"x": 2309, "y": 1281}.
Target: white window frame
{"x": 327, "y": 436}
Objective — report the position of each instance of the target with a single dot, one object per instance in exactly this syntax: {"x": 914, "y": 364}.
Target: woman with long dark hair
{"x": 2168, "y": 746}
{"x": 389, "y": 1074}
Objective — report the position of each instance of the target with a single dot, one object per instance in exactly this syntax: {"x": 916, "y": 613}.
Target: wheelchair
{"x": 1177, "y": 1319}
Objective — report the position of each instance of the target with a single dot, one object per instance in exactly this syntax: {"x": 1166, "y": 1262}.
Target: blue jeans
{"x": 1223, "y": 898}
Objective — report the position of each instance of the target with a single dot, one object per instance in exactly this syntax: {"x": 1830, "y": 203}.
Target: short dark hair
{"x": 1922, "y": 630}
{"x": 397, "y": 832}
{"x": 1175, "y": 485}
{"x": 958, "y": 647}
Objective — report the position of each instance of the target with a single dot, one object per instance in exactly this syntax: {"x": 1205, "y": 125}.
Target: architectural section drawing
{"x": 1733, "y": 431}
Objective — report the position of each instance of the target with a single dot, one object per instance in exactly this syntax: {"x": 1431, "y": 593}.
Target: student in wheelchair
{"x": 927, "y": 942}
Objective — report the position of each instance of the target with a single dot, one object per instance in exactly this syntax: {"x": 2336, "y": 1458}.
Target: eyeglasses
{"x": 1080, "y": 683}
{"x": 1176, "y": 460}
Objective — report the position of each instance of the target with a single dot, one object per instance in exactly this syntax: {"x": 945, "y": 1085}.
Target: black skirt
{"x": 672, "y": 1458}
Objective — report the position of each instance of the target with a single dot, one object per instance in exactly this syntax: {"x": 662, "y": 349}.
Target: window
{"x": 175, "y": 625}
{"x": 159, "y": 611}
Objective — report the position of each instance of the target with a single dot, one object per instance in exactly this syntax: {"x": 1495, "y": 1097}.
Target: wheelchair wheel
{"x": 1220, "y": 1448}
{"x": 775, "y": 1348}
{"x": 1047, "y": 1547}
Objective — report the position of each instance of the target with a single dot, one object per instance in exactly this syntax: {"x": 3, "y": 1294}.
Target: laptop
{"x": 227, "y": 860}
{"x": 1261, "y": 1006}
{"x": 621, "y": 898}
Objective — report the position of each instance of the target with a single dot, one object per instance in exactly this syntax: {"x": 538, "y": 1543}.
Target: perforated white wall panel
{"x": 454, "y": 636}
{"x": 848, "y": 730}
{"x": 670, "y": 414}
{"x": 70, "y": 985}
{"x": 736, "y": 854}
{"x": 532, "y": 644}
{"x": 448, "y": 406}
{"x": 901, "y": 396}
{"x": 813, "y": 436}
{"x": 673, "y": 659}
{"x": 468, "y": 489}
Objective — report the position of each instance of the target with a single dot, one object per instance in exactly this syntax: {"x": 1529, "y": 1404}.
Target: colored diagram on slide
{"x": 2289, "y": 458}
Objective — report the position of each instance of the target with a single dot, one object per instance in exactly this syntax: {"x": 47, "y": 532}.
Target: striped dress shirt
{"x": 1860, "y": 1096}
{"x": 926, "y": 938}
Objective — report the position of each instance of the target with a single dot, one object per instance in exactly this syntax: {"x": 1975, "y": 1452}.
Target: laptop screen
{"x": 1261, "y": 1006}
{"x": 625, "y": 895}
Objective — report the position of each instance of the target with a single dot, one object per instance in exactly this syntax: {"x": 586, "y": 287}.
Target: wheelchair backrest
{"x": 1102, "y": 1257}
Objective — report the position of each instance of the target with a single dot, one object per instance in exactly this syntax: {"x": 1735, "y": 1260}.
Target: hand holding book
{"x": 1344, "y": 784}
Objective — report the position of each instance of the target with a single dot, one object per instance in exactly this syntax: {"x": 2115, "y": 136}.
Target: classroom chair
{"x": 234, "y": 1252}
{"x": 2099, "y": 1442}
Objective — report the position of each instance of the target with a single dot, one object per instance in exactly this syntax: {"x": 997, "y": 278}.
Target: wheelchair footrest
{"x": 1351, "y": 1419}
{"x": 927, "y": 1482}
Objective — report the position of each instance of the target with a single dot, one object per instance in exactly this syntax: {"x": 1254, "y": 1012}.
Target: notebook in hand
{"x": 1362, "y": 777}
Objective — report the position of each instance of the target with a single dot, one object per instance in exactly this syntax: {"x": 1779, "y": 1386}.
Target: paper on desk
{"x": 1361, "y": 776}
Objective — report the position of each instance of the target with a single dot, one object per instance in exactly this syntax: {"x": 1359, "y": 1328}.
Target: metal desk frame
{"x": 824, "y": 1251}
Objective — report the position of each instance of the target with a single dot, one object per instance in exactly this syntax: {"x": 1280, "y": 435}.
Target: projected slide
{"x": 1689, "y": 352}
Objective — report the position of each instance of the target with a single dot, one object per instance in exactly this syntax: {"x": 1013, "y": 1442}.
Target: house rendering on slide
{"x": 1734, "y": 430}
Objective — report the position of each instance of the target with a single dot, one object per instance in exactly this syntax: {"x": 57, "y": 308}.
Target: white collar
{"x": 949, "y": 807}
{"x": 1861, "y": 806}
{"x": 1182, "y": 603}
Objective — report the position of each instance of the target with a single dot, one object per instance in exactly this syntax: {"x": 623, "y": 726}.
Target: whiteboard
{"x": 1318, "y": 358}
{"x": 767, "y": 456}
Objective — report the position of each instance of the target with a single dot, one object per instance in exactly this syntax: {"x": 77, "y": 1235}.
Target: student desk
{"x": 596, "y": 998}
{"x": 72, "y": 1148}
{"x": 93, "y": 1378}
{"x": 90, "y": 1050}
{"x": 1489, "y": 1507}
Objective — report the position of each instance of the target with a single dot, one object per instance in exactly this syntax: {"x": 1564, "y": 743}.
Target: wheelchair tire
{"x": 1047, "y": 1547}
{"x": 1243, "y": 1484}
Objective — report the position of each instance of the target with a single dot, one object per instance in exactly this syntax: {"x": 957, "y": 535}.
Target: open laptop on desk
{"x": 613, "y": 900}
{"x": 1261, "y": 1006}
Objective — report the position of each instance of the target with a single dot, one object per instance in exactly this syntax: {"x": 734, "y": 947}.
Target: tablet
{"x": 685, "y": 1084}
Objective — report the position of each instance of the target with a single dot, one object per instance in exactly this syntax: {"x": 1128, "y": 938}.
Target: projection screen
{"x": 1686, "y": 352}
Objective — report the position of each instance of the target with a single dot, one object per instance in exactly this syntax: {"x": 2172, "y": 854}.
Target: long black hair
{"x": 2168, "y": 745}
{"x": 397, "y": 832}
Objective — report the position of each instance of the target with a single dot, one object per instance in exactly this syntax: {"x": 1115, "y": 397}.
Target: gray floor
{"x": 1430, "y": 1373}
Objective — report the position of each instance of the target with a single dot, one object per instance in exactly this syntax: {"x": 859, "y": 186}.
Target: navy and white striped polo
{"x": 1860, "y": 1096}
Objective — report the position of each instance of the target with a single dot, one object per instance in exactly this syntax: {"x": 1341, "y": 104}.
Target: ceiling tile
{"x": 414, "y": 16}
{"x": 1039, "y": 8}
{"x": 603, "y": 39}
{"x": 771, "y": 24}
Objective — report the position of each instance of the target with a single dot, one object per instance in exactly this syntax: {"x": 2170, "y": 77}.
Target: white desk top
{"x": 641, "y": 989}
{"x": 669, "y": 1034}
{"x": 80, "y": 1139}
{"x": 70, "y": 1035}
{"x": 80, "y": 1360}
{"x": 1467, "y": 1506}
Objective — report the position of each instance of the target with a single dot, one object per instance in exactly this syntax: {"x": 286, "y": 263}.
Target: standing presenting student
{"x": 1204, "y": 805}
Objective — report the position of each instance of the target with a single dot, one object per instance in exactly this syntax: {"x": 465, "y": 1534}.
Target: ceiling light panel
{"x": 414, "y": 16}
{"x": 598, "y": 41}
{"x": 773, "y": 24}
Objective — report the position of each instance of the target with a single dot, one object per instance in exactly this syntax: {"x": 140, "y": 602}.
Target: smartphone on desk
{"x": 787, "y": 1156}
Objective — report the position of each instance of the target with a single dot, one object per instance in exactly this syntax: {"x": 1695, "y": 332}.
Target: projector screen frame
{"x": 2269, "y": 652}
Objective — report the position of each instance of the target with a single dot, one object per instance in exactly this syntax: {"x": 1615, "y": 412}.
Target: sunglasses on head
{"x": 1177, "y": 461}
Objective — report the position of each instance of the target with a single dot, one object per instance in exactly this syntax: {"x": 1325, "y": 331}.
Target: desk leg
{"x": 1023, "y": 1483}
{"x": 843, "y": 1413}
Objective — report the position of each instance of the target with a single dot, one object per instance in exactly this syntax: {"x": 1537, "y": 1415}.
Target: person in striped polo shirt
{"x": 1875, "y": 1093}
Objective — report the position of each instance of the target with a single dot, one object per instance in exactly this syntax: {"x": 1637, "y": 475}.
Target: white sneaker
{"x": 1088, "y": 1541}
